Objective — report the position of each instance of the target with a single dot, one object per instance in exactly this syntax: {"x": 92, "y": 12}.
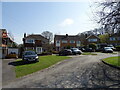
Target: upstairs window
{"x": 72, "y": 41}
{"x": 64, "y": 41}
{"x": 112, "y": 38}
{"x": 57, "y": 41}
{"x": 92, "y": 40}
{"x": 118, "y": 38}
{"x": 30, "y": 41}
{"x": 78, "y": 42}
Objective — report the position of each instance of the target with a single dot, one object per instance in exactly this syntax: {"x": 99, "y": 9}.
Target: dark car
{"x": 30, "y": 56}
{"x": 107, "y": 50}
{"x": 76, "y": 51}
{"x": 65, "y": 52}
{"x": 89, "y": 50}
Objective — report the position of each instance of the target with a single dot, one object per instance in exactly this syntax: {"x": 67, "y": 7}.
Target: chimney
{"x": 24, "y": 35}
{"x": 66, "y": 35}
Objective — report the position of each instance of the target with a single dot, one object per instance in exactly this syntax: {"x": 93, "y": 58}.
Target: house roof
{"x": 67, "y": 37}
{"x": 36, "y": 37}
{"x": 92, "y": 35}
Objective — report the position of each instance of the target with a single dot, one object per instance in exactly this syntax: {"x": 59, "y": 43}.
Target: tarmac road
{"x": 84, "y": 71}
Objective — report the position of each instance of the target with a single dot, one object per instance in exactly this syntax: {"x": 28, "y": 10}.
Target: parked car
{"x": 65, "y": 52}
{"x": 107, "y": 50}
{"x": 112, "y": 47}
{"x": 89, "y": 50}
{"x": 82, "y": 49}
{"x": 76, "y": 51}
{"x": 30, "y": 56}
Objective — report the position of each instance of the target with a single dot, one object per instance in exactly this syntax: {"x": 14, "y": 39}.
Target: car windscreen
{"x": 74, "y": 49}
{"x": 107, "y": 48}
{"x": 29, "y": 53}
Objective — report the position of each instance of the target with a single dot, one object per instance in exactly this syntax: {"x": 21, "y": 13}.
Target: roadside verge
{"x": 118, "y": 67}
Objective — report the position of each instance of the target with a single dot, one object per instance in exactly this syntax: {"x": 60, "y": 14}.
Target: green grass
{"x": 113, "y": 60}
{"x": 88, "y": 53}
{"x": 44, "y": 62}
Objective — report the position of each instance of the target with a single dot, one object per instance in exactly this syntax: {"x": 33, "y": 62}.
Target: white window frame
{"x": 58, "y": 43}
{"x": 78, "y": 42}
{"x": 33, "y": 41}
{"x": 112, "y": 39}
{"x": 72, "y": 41}
{"x": 64, "y": 41}
{"x": 93, "y": 40}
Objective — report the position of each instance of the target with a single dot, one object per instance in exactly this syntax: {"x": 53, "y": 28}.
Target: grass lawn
{"x": 44, "y": 62}
{"x": 88, "y": 53}
{"x": 113, "y": 60}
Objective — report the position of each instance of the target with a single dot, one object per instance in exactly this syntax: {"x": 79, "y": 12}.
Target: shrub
{"x": 46, "y": 53}
{"x": 55, "y": 52}
{"x": 118, "y": 48}
{"x": 93, "y": 46}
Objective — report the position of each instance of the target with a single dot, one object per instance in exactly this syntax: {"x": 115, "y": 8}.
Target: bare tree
{"x": 48, "y": 35}
{"x": 109, "y": 16}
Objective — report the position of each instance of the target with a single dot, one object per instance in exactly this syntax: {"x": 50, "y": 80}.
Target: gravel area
{"x": 84, "y": 71}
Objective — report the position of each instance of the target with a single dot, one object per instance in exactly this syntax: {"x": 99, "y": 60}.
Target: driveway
{"x": 8, "y": 71}
{"x": 78, "y": 72}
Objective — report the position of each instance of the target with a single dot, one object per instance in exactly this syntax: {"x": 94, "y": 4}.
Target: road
{"x": 78, "y": 72}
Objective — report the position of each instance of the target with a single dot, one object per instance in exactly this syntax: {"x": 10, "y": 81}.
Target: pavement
{"x": 8, "y": 71}
{"x": 84, "y": 71}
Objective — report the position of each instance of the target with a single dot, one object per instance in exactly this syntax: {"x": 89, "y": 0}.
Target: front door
{"x": 39, "y": 50}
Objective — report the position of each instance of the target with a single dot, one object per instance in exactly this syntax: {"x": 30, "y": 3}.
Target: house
{"x": 114, "y": 39}
{"x": 92, "y": 39}
{"x": 66, "y": 41}
{"x": 35, "y": 42}
{"x": 7, "y": 41}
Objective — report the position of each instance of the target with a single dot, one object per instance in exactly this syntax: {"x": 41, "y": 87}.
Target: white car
{"x": 108, "y": 50}
{"x": 76, "y": 51}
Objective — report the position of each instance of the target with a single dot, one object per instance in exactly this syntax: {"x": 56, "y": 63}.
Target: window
{"x": 78, "y": 42}
{"x": 112, "y": 38}
{"x": 72, "y": 41}
{"x": 30, "y": 41}
{"x": 64, "y": 41}
{"x": 57, "y": 41}
{"x": 118, "y": 38}
{"x": 92, "y": 40}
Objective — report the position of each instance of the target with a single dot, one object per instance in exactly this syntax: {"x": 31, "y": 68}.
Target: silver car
{"x": 76, "y": 51}
{"x": 107, "y": 50}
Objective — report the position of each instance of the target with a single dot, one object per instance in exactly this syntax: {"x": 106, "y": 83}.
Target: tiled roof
{"x": 36, "y": 37}
{"x": 65, "y": 37}
{"x": 92, "y": 35}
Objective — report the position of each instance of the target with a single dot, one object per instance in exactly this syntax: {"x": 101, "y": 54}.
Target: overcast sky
{"x": 57, "y": 17}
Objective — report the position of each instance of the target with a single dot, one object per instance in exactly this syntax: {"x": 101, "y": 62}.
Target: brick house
{"x": 114, "y": 39}
{"x": 92, "y": 39}
{"x": 7, "y": 41}
{"x": 65, "y": 41}
{"x": 35, "y": 42}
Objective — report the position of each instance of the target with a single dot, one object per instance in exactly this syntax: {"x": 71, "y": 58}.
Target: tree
{"x": 93, "y": 46}
{"x": 48, "y": 35}
{"x": 104, "y": 38}
{"x": 109, "y": 16}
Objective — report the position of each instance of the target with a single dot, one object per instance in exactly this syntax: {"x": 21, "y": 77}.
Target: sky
{"x": 57, "y": 17}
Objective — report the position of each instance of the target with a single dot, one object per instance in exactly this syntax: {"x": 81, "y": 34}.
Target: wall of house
{"x": 11, "y": 50}
{"x": 0, "y": 52}
{"x": 92, "y": 37}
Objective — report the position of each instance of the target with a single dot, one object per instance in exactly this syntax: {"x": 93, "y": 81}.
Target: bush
{"x": 118, "y": 48}
{"x": 55, "y": 52}
{"x": 46, "y": 53}
{"x": 93, "y": 46}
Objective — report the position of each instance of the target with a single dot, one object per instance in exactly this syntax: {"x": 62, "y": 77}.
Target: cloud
{"x": 67, "y": 22}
